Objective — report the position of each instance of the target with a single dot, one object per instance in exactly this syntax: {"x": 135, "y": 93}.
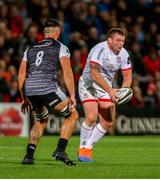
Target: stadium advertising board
{"x": 129, "y": 121}
{"x": 12, "y": 121}
{"x": 138, "y": 121}
{"x": 54, "y": 124}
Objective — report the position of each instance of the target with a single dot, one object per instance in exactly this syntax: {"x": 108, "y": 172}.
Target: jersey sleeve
{"x": 64, "y": 51}
{"x": 25, "y": 56}
{"x": 96, "y": 55}
{"x": 126, "y": 62}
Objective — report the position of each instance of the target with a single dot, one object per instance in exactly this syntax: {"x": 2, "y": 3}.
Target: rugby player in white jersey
{"x": 39, "y": 88}
{"x": 96, "y": 92}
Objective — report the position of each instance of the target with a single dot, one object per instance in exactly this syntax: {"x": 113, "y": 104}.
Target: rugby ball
{"x": 125, "y": 95}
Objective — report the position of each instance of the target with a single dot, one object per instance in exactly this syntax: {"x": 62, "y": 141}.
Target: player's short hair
{"x": 113, "y": 31}
{"x": 51, "y": 23}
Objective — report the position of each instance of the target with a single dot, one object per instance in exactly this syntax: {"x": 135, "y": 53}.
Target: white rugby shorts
{"x": 92, "y": 93}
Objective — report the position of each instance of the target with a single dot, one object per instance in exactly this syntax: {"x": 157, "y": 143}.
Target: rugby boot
{"x": 28, "y": 160}
{"x": 62, "y": 156}
{"x": 82, "y": 155}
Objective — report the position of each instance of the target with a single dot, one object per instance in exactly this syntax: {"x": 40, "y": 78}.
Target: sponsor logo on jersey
{"x": 118, "y": 59}
{"x": 107, "y": 58}
{"x": 44, "y": 45}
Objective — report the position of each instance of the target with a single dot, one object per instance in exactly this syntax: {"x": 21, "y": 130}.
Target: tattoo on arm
{"x": 95, "y": 66}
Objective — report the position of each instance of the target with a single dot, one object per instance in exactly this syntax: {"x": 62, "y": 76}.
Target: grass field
{"x": 115, "y": 157}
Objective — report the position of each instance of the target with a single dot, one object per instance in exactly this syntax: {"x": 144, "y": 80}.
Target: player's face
{"x": 116, "y": 42}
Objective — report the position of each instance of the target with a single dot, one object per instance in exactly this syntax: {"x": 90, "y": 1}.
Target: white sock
{"x": 85, "y": 133}
{"x": 97, "y": 133}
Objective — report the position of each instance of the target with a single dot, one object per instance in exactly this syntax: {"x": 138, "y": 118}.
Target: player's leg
{"x": 41, "y": 119}
{"x": 91, "y": 111}
{"x": 104, "y": 106}
{"x": 70, "y": 115}
{"x": 107, "y": 118}
{"x": 106, "y": 114}
{"x": 90, "y": 106}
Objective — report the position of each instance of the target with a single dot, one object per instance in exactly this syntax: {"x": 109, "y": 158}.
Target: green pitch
{"x": 115, "y": 157}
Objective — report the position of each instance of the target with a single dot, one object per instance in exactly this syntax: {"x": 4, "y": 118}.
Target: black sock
{"x": 62, "y": 144}
{"x": 31, "y": 149}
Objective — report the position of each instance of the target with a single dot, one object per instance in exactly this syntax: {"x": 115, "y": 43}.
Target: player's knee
{"x": 74, "y": 115}
{"x": 91, "y": 118}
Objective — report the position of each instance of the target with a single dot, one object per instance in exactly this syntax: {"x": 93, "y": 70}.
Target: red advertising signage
{"x": 12, "y": 121}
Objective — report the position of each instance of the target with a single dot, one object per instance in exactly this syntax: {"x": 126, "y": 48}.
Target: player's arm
{"x": 127, "y": 77}
{"x": 21, "y": 78}
{"x": 68, "y": 77}
{"x": 26, "y": 106}
{"x": 95, "y": 69}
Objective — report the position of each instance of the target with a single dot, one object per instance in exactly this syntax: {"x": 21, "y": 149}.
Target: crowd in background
{"x": 84, "y": 24}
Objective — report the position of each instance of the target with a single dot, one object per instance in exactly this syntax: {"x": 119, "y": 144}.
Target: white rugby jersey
{"x": 109, "y": 62}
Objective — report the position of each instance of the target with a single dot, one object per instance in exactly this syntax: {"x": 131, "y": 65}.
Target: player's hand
{"x": 73, "y": 101}
{"x": 113, "y": 94}
{"x": 26, "y": 106}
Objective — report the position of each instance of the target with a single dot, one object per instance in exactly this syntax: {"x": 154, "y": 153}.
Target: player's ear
{"x": 58, "y": 31}
{"x": 109, "y": 40}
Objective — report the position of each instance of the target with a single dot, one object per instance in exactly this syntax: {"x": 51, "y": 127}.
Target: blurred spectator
{"x": 152, "y": 62}
{"x": 137, "y": 99}
{"x": 75, "y": 41}
{"x": 92, "y": 38}
{"x": 34, "y": 10}
{"x": 76, "y": 65}
{"x": 3, "y": 11}
{"x": 92, "y": 19}
{"x": 104, "y": 9}
{"x": 32, "y": 36}
{"x": 12, "y": 94}
{"x": 15, "y": 23}
{"x": 13, "y": 71}
{"x": 4, "y": 78}
{"x": 137, "y": 59}
{"x": 150, "y": 99}
{"x": 158, "y": 92}
{"x": 153, "y": 33}
{"x": 84, "y": 55}
{"x": 157, "y": 44}
{"x": 66, "y": 30}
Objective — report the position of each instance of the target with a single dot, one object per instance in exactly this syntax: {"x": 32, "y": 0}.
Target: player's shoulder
{"x": 99, "y": 46}
{"x": 62, "y": 45}
{"x": 64, "y": 50}
{"x": 124, "y": 53}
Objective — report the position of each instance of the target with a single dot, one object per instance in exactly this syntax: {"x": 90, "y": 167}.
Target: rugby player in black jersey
{"x": 39, "y": 88}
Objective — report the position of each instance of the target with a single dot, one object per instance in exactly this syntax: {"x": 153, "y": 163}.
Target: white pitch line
{"x": 10, "y": 147}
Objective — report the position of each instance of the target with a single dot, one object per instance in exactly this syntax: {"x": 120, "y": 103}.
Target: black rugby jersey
{"x": 43, "y": 60}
